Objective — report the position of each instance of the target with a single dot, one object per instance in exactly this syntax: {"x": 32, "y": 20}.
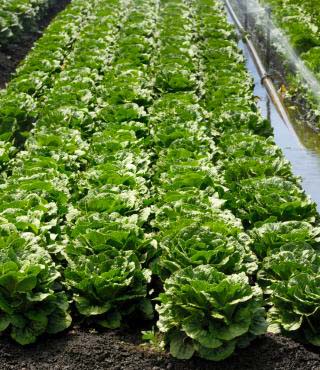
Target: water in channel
{"x": 299, "y": 143}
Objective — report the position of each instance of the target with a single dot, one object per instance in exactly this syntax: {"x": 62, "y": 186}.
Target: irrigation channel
{"x": 299, "y": 143}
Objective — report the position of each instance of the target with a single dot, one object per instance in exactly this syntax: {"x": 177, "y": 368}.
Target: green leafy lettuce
{"x": 208, "y": 313}
{"x": 31, "y": 298}
{"x": 296, "y": 306}
{"x": 270, "y": 237}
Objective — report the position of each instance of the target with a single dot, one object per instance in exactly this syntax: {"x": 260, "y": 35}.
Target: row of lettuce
{"x": 300, "y": 20}
{"x": 24, "y": 98}
{"x": 208, "y": 307}
{"x": 279, "y": 218}
{"x": 42, "y": 182}
{"x": 17, "y": 16}
{"x": 213, "y": 158}
{"x": 149, "y": 161}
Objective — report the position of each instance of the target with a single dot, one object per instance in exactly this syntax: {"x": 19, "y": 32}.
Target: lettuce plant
{"x": 184, "y": 207}
{"x": 207, "y": 313}
{"x": 108, "y": 285}
{"x": 247, "y": 167}
{"x": 205, "y": 243}
{"x": 270, "y": 199}
{"x": 270, "y": 237}
{"x": 246, "y": 144}
{"x": 92, "y": 233}
{"x": 31, "y": 298}
{"x": 296, "y": 306}
{"x": 290, "y": 259}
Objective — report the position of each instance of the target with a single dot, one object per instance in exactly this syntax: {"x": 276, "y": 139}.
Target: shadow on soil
{"x": 86, "y": 348}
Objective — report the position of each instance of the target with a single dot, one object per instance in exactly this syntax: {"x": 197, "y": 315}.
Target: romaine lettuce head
{"x": 290, "y": 259}
{"x": 241, "y": 118}
{"x": 31, "y": 300}
{"x": 242, "y": 168}
{"x": 296, "y": 306}
{"x": 205, "y": 243}
{"x": 273, "y": 198}
{"x": 172, "y": 77}
{"x": 108, "y": 285}
{"x": 175, "y": 209}
{"x": 242, "y": 144}
{"x": 92, "y": 233}
{"x": 111, "y": 198}
{"x": 270, "y": 237}
{"x": 207, "y": 313}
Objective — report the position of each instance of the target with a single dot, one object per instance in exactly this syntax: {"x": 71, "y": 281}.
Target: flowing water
{"x": 278, "y": 39}
{"x": 300, "y": 144}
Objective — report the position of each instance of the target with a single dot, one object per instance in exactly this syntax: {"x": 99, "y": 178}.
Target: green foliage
{"x": 108, "y": 285}
{"x": 269, "y": 199}
{"x": 270, "y": 237}
{"x": 296, "y": 304}
{"x": 31, "y": 298}
{"x": 153, "y": 338}
{"x": 208, "y": 313}
{"x": 137, "y": 147}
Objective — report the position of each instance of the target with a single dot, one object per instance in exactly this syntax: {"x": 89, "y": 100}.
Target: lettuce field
{"x": 141, "y": 185}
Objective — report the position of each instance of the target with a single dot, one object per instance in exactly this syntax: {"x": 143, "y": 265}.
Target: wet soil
{"x": 85, "y": 348}
{"x": 14, "y": 53}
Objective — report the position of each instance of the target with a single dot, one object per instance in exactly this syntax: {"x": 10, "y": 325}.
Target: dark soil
{"x": 11, "y": 55}
{"x": 83, "y": 349}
